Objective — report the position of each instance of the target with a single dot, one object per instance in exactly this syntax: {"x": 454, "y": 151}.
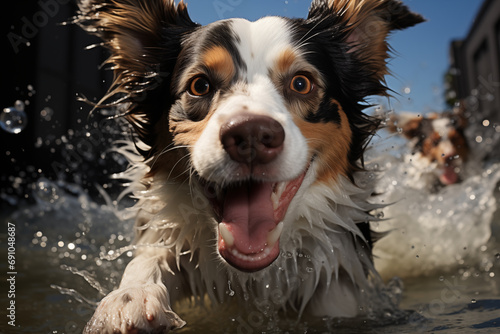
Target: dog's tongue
{"x": 249, "y": 215}
{"x": 449, "y": 176}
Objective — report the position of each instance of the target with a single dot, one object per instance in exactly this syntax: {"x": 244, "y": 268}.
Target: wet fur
{"x": 153, "y": 46}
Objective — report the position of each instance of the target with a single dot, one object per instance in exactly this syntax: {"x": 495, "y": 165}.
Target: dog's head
{"x": 436, "y": 138}
{"x": 249, "y": 110}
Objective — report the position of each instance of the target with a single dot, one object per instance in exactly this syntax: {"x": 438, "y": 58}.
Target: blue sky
{"x": 422, "y": 52}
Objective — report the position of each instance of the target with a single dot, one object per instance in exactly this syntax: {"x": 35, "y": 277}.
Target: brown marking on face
{"x": 455, "y": 145}
{"x": 430, "y": 147}
{"x": 285, "y": 61}
{"x": 187, "y": 132}
{"x": 287, "y": 65}
{"x": 411, "y": 128}
{"x": 220, "y": 61}
{"x": 330, "y": 142}
{"x": 175, "y": 142}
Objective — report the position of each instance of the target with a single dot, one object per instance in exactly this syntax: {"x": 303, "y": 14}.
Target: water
{"x": 71, "y": 250}
{"x": 14, "y": 119}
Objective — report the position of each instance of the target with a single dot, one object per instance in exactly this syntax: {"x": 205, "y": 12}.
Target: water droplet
{"x": 47, "y": 114}
{"x": 46, "y": 191}
{"x": 230, "y": 292}
{"x": 473, "y": 301}
{"x": 14, "y": 119}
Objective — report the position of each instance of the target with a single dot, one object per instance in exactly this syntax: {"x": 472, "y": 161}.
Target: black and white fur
{"x": 233, "y": 117}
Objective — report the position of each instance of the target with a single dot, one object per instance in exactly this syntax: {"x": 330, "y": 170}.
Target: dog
{"x": 251, "y": 134}
{"x": 438, "y": 145}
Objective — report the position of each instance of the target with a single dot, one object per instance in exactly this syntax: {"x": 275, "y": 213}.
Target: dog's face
{"x": 436, "y": 138}
{"x": 253, "y": 111}
{"x": 249, "y": 110}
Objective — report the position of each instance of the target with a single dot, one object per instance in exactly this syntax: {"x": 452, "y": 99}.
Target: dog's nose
{"x": 252, "y": 139}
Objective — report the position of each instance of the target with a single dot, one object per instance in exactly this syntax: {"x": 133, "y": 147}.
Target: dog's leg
{"x": 141, "y": 304}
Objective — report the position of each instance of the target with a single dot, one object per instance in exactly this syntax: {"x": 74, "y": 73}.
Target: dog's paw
{"x": 137, "y": 309}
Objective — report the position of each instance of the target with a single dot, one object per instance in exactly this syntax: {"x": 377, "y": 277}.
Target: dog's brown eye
{"x": 301, "y": 84}
{"x": 199, "y": 86}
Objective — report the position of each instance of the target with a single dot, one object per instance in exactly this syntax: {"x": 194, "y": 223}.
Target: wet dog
{"x": 251, "y": 134}
{"x": 438, "y": 144}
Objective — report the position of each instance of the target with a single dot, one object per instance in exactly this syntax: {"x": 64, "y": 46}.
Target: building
{"x": 474, "y": 74}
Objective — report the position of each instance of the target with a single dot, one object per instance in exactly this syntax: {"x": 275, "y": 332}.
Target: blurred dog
{"x": 438, "y": 144}
{"x": 251, "y": 133}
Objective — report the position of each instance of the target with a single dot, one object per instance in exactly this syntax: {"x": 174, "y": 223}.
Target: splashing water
{"x": 74, "y": 250}
{"x": 14, "y": 119}
{"x": 58, "y": 242}
{"x": 429, "y": 231}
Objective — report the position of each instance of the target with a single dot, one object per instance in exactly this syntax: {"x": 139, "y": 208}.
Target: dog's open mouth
{"x": 251, "y": 221}
{"x": 450, "y": 172}
{"x": 449, "y": 175}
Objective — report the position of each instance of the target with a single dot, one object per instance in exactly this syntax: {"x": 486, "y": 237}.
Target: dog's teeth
{"x": 276, "y": 195}
{"x": 275, "y": 199}
{"x": 226, "y": 235}
{"x": 274, "y": 235}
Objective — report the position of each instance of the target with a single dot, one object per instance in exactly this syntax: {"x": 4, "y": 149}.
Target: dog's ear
{"x": 137, "y": 32}
{"x": 144, "y": 38}
{"x": 365, "y": 25}
{"x": 405, "y": 124}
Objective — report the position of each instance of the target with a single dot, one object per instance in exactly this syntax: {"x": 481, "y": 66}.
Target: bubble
{"x": 46, "y": 191}
{"x": 14, "y": 119}
{"x": 47, "y": 114}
